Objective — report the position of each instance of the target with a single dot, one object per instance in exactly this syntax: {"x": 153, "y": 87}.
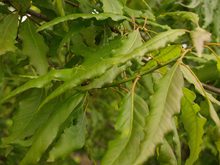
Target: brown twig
{"x": 211, "y": 88}
{"x": 37, "y": 15}
{"x": 72, "y": 3}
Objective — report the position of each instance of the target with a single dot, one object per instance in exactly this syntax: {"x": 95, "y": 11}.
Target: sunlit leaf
{"x": 130, "y": 124}
{"x": 165, "y": 103}
{"x": 199, "y": 36}
{"x": 191, "y": 77}
{"x": 101, "y": 16}
{"x": 97, "y": 66}
{"x": 193, "y": 123}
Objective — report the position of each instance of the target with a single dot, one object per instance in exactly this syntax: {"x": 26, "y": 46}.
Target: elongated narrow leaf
{"x": 47, "y": 133}
{"x": 192, "y": 4}
{"x": 8, "y": 31}
{"x": 34, "y": 47}
{"x": 97, "y": 66}
{"x": 41, "y": 81}
{"x": 157, "y": 42}
{"x": 193, "y": 123}
{"x": 73, "y": 138}
{"x": 101, "y": 16}
{"x": 130, "y": 124}
{"x": 106, "y": 78}
{"x": 164, "y": 104}
{"x": 176, "y": 140}
{"x": 209, "y": 10}
{"x": 186, "y": 15}
{"x": 166, "y": 55}
{"x": 191, "y": 78}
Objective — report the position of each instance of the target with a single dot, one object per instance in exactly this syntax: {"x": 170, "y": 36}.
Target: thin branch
{"x": 38, "y": 15}
{"x": 212, "y": 43}
{"x": 72, "y": 3}
{"x": 211, "y": 88}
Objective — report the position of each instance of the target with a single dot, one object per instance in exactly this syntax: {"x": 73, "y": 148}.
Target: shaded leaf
{"x": 21, "y": 5}
{"x": 8, "y": 31}
{"x": 165, "y": 103}
{"x": 166, "y": 154}
{"x": 34, "y": 47}
{"x": 186, "y": 15}
{"x": 26, "y": 110}
{"x": 72, "y": 138}
{"x": 209, "y": 10}
{"x": 48, "y": 132}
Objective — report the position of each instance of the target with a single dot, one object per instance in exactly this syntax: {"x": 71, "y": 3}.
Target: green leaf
{"x": 41, "y": 81}
{"x": 192, "y": 4}
{"x": 199, "y": 36}
{"x": 165, "y": 103}
{"x": 106, "y": 78}
{"x": 157, "y": 42}
{"x": 73, "y": 138}
{"x": 191, "y": 78}
{"x": 165, "y": 56}
{"x": 130, "y": 124}
{"x": 34, "y": 47}
{"x": 209, "y": 10}
{"x": 193, "y": 123}
{"x": 21, "y": 5}
{"x": 98, "y": 62}
{"x": 97, "y": 65}
{"x": 166, "y": 154}
{"x": 101, "y": 16}
{"x": 185, "y": 15}
{"x": 48, "y": 132}
{"x": 59, "y": 5}
{"x": 26, "y": 110}
{"x": 112, "y": 7}
{"x": 8, "y": 31}
{"x": 216, "y": 24}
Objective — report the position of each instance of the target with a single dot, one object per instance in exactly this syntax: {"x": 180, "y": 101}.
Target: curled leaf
{"x": 199, "y": 36}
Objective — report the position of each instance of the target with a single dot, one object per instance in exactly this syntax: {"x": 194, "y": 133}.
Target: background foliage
{"x": 109, "y": 82}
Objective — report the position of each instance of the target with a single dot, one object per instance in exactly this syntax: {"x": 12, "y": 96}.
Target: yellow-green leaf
{"x": 8, "y": 31}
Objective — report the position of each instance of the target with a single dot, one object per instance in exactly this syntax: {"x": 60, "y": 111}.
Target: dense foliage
{"x": 122, "y": 82}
